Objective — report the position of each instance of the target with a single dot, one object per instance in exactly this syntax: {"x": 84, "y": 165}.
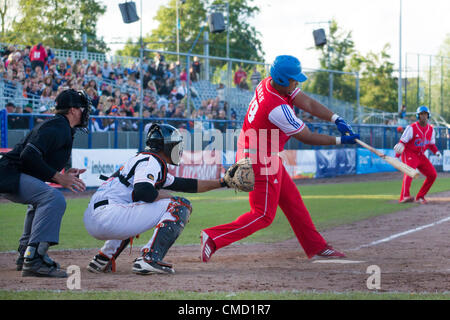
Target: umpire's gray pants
{"x": 44, "y": 215}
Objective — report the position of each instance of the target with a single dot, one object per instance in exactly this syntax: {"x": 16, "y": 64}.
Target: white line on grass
{"x": 394, "y": 236}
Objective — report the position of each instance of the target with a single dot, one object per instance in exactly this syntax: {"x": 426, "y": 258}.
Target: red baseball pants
{"x": 417, "y": 161}
{"x": 269, "y": 192}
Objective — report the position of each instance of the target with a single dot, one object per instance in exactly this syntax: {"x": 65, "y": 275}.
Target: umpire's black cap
{"x": 71, "y": 98}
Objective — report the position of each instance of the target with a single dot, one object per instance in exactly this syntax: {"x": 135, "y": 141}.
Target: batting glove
{"x": 347, "y": 139}
{"x": 342, "y": 126}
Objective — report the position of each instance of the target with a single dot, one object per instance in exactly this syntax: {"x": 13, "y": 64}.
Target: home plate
{"x": 338, "y": 261}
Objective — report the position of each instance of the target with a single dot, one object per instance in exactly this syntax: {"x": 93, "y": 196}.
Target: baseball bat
{"x": 400, "y": 166}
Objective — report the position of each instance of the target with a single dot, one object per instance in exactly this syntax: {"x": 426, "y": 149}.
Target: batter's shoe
{"x": 144, "y": 266}
{"x": 39, "y": 267}
{"x": 100, "y": 264}
{"x": 421, "y": 201}
{"x": 330, "y": 252}
{"x": 406, "y": 200}
{"x": 208, "y": 246}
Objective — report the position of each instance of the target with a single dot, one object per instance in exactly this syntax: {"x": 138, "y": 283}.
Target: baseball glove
{"x": 240, "y": 176}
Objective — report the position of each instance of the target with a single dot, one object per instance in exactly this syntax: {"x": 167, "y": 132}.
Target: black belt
{"x": 100, "y": 203}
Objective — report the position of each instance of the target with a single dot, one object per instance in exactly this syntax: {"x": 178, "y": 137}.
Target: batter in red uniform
{"x": 415, "y": 140}
{"x": 269, "y": 123}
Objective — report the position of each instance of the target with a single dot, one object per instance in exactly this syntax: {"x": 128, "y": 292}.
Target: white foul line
{"x": 374, "y": 243}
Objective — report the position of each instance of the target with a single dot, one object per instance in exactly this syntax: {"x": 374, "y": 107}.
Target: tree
{"x": 244, "y": 42}
{"x": 58, "y": 24}
{"x": 378, "y": 87}
{"x": 6, "y": 7}
{"x": 341, "y": 47}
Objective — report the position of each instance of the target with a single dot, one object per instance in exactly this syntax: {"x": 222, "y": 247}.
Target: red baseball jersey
{"x": 269, "y": 122}
{"x": 418, "y": 139}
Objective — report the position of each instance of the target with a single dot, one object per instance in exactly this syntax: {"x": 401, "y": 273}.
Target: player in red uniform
{"x": 415, "y": 140}
{"x": 269, "y": 123}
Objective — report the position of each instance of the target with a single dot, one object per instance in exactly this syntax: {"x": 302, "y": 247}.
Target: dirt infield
{"x": 410, "y": 247}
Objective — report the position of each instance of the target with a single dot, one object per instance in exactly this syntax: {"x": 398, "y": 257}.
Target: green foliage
{"x": 378, "y": 86}
{"x": 334, "y": 56}
{"x": 243, "y": 40}
{"x": 58, "y": 24}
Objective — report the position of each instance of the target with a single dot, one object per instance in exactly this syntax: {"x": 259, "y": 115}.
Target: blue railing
{"x": 379, "y": 136}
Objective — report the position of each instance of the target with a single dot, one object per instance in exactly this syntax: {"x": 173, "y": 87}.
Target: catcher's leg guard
{"x": 165, "y": 235}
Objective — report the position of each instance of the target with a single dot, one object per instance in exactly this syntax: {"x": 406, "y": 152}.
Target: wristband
{"x": 338, "y": 140}
{"x": 334, "y": 117}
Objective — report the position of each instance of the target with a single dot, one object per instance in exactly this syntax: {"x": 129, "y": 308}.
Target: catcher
{"x": 136, "y": 199}
{"x": 272, "y": 110}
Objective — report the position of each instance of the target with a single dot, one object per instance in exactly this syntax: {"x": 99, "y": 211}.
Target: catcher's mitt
{"x": 240, "y": 176}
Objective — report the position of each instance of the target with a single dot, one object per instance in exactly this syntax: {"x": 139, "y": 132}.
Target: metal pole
{"x": 358, "y": 105}
{"x": 418, "y": 80}
{"x": 400, "y": 96}
{"x": 206, "y": 53}
{"x": 406, "y": 82}
{"x": 429, "y": 84}
{"x": 330, "y": 75}
{"x": 178, "y": 32}
{"x": 442, "y": 86}
{"x": 141, "y": 72}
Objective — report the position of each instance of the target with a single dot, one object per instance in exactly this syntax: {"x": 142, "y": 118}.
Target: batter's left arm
{"x": 312, "y": 106}
{"x": 318, "y": 110}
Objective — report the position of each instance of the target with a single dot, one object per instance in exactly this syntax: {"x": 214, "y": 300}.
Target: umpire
{"x": 38, "y": 159}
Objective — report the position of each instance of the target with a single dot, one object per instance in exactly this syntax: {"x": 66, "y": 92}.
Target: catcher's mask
{"x": 71, "y": 98}
{"x": 165, "y": 138}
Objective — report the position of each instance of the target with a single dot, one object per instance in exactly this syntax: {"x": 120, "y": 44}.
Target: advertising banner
{"x": 446, "y": 160}
{"x": 367, "y": 162}
{"x": 99, "y": 161}
{"x": 331, "y": 163}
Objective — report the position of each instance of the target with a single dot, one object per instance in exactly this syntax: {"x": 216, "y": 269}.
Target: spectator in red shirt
{"x": 238, "y": 76}
{"x": 38, "y": 56}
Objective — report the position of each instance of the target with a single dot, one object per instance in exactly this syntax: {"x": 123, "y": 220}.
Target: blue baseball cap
{"x": 286, "y": 67}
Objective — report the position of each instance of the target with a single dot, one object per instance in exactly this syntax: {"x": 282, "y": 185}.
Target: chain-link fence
{"x": 427, "y": 82}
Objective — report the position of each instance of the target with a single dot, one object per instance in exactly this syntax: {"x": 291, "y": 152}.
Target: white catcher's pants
{"x": 117, "y": 222}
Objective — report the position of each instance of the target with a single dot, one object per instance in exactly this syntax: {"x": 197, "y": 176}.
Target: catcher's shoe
{"x": 41, "y": 267}
{"x": 406, "y": 200}
{"x": 144, "y": 266}
{"x": 330, "y": 252}
{"x": 207, "y": 247}
{"x": 100, "y": 264}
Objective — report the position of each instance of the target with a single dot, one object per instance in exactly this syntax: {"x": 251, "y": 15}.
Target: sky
{"x": 286, "y": 26}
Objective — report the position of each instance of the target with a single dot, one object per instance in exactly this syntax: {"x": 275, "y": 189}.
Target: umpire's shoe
{"x": 144, "y": 265}
{"x": 20, "y": 259}
{"x": 40, "y": 265}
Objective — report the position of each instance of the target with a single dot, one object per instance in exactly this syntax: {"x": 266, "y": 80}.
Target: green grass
{"x": 242, "y": 295}
{"x": 329, "y": 204}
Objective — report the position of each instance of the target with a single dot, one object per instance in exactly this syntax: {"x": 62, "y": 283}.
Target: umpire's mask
{"x": 165, "y": 138}
{"x": 71, "y": 98}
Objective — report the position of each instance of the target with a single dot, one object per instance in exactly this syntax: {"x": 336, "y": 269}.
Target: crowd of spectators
{"x": 114, "y": 89}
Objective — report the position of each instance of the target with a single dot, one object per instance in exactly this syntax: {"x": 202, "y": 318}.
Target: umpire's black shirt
{"x": 45, "y": 150}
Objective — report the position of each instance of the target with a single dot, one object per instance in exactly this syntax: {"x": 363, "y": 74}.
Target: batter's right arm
{"x": 317, "y": 139}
